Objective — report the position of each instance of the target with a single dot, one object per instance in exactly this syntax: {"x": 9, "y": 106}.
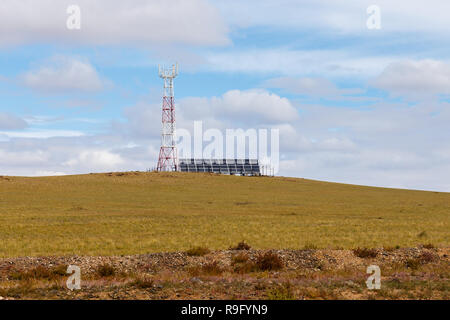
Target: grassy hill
{"x": 132, "y": 213}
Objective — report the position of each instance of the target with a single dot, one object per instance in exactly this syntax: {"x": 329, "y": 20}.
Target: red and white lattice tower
{"x": 168, "y": 155}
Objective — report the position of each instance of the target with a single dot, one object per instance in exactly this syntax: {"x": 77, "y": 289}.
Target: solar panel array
{"x": 244, "y": 167}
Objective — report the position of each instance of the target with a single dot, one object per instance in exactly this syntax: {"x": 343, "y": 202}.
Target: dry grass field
{"x": 137, "y": 213}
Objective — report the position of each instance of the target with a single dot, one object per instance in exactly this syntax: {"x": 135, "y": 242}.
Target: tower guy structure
{"x": 168, "y": 155}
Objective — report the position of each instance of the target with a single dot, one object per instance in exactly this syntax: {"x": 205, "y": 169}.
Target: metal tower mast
{"x": 168, "y": 155}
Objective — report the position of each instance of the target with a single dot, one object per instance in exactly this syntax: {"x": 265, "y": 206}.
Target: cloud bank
{"x": 64, "y": 75}
{"x": 113, "y": 22}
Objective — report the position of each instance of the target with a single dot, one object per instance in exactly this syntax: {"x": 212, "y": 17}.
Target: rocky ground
{"x": 407, "y": 273}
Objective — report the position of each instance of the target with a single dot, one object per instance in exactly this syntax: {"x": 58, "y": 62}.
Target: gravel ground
{"x": 293, "y": 260}
{"x": 307, "y": 274}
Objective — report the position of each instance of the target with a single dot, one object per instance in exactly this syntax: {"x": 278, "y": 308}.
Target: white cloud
{"x": 64, "y": 74}
{"x": 9, "y": 121}
{"x": 112, "y": 22}
{"x": 290, "y": 62}
{"x": 340, "y": 144}
{"x": 337, "y": 16}
{"x": 14, "y": 158}
{"x": 48, "y": 173}
{"x": 361, "y": 168}
{"x": 44, "y": 133}
{"x": 96, "y": 160}
{"x": 391, "y": 145}
{"x": 318, "y": 87}
{"x": 258, "y": 105}
{"x": 75, "y": 155}
{"x": 415, "y": 78}
{"x": 143, "y": 120}
{"x": 233, "y": 109}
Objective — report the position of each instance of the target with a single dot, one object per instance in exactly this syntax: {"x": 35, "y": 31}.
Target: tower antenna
{"x": 168, "y": 154}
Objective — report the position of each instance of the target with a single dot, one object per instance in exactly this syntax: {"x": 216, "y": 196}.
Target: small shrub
{"x": 427, "y": 257}
{"x": 242, "y": 203}
{"x": 389, "y": 249}
{"x": 78, "y": 208}
{"x": 15, "y": 275}
{"x": 309, "y": 246}
{"x": 194, "y": 271}
{"x": 39, "y": 272}
{"x": 239, "y": 258}
{"x": 424, "y": 258}
{"x": 242, "y": 264}
{"x": 269, "y": 261}
{"x": 365, "y": 252}
{"x": 429, "y": 246}
{"x": 212, "y": 268}
{"x": 422, "y": 234}
{"x": 413, "y": 264}
{"x": 197, "y": 251}
{"x": 106, "y": 270}
{"x": 245, "y": 267}
{"x": 241, "y": 246}
{"x": 143, "y": 282}
{"x": 60, "y": 270}
{"x": 283, "y": 292}
{"x": 312, "y": 293}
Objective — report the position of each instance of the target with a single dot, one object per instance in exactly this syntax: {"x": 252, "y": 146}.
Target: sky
{"x": 353, "y": 104}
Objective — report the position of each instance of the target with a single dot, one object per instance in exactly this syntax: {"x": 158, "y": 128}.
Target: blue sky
{"x": 353, "y": 104}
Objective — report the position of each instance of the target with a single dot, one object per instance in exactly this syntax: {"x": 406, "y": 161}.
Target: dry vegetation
{"x": 136, "y": 213}
{"x": 409, "y": 273}
{"x": 197, "y": 251}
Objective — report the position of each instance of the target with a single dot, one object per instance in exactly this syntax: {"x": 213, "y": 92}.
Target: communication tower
{"x": 168, "y": 155}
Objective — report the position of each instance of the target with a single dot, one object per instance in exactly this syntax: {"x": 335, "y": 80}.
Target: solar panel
{"x": 221, "y": 166}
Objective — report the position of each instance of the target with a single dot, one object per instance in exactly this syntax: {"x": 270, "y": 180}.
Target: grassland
{"x": 135, "y": 213}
